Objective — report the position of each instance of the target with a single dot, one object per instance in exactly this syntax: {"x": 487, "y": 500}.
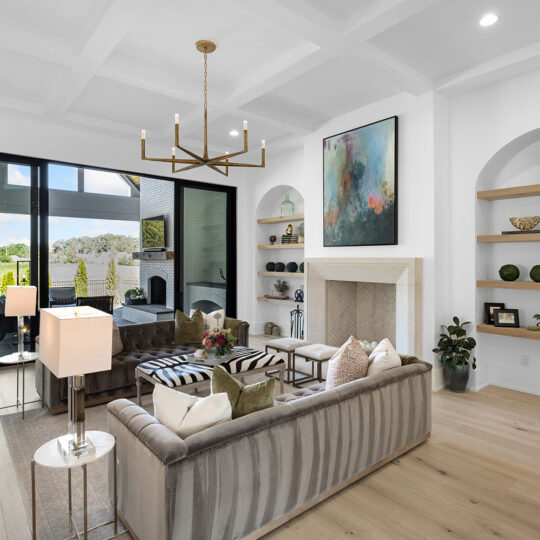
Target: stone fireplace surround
{"x": 404, "y": 273}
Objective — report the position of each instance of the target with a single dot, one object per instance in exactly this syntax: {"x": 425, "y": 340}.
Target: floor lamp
{"x": 20, "y": 303}
{"x": 74, "y": 341}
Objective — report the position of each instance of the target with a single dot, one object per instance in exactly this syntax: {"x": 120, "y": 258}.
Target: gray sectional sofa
{"x": 142, "y": 342}
{"x": 245, "y": 477}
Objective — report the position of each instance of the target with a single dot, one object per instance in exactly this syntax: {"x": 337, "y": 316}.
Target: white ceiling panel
{"x": 446, "y": 38}
{"x": 131, "y": 106}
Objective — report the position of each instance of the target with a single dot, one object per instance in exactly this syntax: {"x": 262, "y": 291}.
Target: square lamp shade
{"x": 75, "y": 340}
{"x": 20, "y": 301}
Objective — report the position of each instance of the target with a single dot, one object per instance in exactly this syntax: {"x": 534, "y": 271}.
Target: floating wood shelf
{"x": 276, "y": 301}
{"x": 280, "y": 246}
{"x": 500, "y": 284}
{"x": 509, "y": 193}
{"x": 281, "y": 274}
{"x": 493, "y": 238}
{"x": 520, "y": 332}
{"x": 286, "y": 219}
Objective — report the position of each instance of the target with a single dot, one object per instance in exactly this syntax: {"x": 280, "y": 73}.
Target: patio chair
{"x": 62, "y": 296}
{"x": 103, "y": 303}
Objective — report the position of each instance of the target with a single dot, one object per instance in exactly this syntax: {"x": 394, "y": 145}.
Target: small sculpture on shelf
{"x": 299, "y": 295}
{"x": 272, "y": 239}
{"x": 289, "y": 237}
{"x": 289, "y": 229}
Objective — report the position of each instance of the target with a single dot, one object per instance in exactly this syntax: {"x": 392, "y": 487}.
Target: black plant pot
{"x": 456, "y": 377}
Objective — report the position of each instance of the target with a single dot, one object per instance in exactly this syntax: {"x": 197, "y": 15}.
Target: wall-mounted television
{"x": 153, "y": 233}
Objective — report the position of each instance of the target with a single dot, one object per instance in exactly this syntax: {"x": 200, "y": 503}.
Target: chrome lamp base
{"x": 76, "y": 443}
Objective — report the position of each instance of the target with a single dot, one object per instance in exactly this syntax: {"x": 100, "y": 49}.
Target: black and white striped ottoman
{"x": 180, "y": 372}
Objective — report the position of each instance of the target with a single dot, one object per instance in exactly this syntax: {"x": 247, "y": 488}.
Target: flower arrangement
{"x": 221, "y": 340}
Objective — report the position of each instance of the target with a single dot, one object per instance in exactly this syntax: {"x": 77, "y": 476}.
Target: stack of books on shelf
{"x": 289, "y": 239}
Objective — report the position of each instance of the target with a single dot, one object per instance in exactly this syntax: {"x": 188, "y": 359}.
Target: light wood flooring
{"x": 477, "y": 477}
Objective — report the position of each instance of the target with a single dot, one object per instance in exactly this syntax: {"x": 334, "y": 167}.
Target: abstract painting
{"x": 360, "y": 186}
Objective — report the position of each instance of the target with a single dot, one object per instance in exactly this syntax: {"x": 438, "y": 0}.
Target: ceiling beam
{"x": 113, "y": 26}
{"x": 514, "y": 64}
{"x": 382, "y": 16}
{"x": 303, "y": 19}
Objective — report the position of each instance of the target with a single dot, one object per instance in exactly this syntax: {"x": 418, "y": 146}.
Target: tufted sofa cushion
{"x": 301, "y": 393}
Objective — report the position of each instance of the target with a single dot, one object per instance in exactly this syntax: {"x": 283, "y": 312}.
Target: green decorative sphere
{"x": 280, "y": 267}
{"x": 302, "y": 267}
{"x": 270, "y": 267}
{"x": 535, "y": 273}
{"x": 509, "y": 272}
{"x": 292, "y": 267}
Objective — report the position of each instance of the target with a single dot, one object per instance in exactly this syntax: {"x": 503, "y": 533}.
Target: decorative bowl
{"x": 525, "y": 223}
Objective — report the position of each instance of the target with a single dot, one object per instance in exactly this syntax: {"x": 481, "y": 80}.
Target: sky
{"x": 15, "y": 228}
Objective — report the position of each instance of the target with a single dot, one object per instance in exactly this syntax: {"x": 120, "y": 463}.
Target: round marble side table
{"x": 14, "y": 358}
{"x": 50, "y": 455}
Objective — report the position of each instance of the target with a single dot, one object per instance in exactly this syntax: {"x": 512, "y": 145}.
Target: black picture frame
{"x": 500, "y": 316}
{"x": 489, "y": 308}
{"x": 394, "y": 236}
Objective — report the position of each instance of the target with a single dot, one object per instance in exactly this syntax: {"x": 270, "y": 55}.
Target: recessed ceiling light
{"x": 488, "y": 19}
{"x": 234, "y": 133}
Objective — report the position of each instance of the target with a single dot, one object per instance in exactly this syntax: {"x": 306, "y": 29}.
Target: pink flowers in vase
{"x": 221, "y": 340}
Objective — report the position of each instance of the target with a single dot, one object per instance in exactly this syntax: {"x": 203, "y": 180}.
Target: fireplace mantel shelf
{"x": 153, "y": 255}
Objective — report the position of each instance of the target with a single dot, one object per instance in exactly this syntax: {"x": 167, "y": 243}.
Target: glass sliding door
{"x": 18, "y": 240}
{"x": 207, "y": 248}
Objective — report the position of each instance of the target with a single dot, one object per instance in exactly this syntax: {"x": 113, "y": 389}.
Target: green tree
{"x": 112, "y": 281}
{"x": 7, "y": 279}
{"x": 81, "y": 279}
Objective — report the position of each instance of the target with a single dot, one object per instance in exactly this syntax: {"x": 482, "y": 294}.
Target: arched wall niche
{"x": 507, "y": 359}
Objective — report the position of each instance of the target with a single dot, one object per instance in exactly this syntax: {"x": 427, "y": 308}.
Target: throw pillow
{"x": 184, "y": 414}
{"x": 188, "y": 329}
{"x": 205, "y": 412}
{"x": 212, "y": 321}
{"x": 171, "y": 406}
{"x": 117, "y": 345}
{"x": 383, "y": 357}
{"x": 349, "y": 363}
{"x": 244, "y": 399}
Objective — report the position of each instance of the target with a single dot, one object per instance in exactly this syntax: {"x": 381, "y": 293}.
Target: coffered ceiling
{"x": 286, "y": 66}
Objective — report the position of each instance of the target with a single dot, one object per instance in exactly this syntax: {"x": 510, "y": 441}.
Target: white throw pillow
{"x": 171, "y": 406}
{"x": 206, "y": 412}
{"x": 383, "y": 357}
{"x": 212, "y": 321}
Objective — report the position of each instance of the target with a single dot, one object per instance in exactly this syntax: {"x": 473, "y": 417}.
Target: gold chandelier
{"x": 221, "y": 163}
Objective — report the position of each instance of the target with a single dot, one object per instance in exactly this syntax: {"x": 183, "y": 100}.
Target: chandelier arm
{"x": 227, "y": 163}
{"x": 201, "y": 165}
{"x": 199, "y": 159}
{"x": 169, "y": 160}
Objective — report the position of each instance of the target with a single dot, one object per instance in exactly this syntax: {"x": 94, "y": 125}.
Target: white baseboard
{"x": 479, "y": 387}
{"x": 437, "y": 388}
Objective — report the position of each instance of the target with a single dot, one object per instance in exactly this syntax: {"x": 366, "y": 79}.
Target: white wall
{"x": 27, "y": 136}
{"x": 302, "y": 168}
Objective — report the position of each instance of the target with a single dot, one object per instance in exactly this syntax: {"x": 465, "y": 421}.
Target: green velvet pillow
{"x": 188, "y": 329}
{"x": 244, "y": 399}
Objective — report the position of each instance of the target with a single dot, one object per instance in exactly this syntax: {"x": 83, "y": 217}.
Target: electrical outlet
{"x": 524, "y": 360}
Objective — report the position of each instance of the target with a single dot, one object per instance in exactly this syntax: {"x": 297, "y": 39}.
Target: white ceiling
{"x": 286, "y": 66}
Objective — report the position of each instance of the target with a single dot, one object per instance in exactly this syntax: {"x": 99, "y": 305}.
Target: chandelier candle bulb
{"x": 176, "y": 118}
{"x": 245, "y": 125}
{"x": 263, "y": 144}
{"x": 173, "y": 151}
{"x": 143, "y": 134}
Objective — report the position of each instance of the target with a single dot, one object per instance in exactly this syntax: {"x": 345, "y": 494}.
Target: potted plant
{"x": 281, "y": 288}
{"x": 537, "y": 327}
{"x": 454, "y": 350}
{"x": 135, "y": 296}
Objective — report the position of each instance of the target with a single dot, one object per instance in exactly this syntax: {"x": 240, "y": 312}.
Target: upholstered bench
{"x": 288, "y": 346}
{"x": 316, "y": 354}
{"x": 183, "y": 372}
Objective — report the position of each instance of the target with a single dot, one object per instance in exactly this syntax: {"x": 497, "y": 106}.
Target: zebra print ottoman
{"x": 181, "y": 373}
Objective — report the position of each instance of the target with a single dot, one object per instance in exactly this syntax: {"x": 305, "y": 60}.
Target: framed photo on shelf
{"x": 489, "y": 310}
{"x": 506, "y": 317}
